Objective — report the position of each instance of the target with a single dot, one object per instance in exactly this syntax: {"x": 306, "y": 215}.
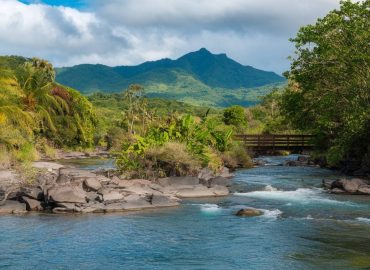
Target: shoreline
{"x": 65, "y": 189}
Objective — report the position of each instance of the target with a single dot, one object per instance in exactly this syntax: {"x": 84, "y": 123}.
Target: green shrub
{"x": 235, "y": 116}
{"x": 237, "y": 156}
{"x": 213, "y": 160}
{"x": 172, "y": 159}
{"x": 26, "y": 153}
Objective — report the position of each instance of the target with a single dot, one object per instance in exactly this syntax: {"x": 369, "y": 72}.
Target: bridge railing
{"x": 276, "y": 142}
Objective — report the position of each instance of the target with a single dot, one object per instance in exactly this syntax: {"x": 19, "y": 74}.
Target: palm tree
{"x": 36, "y": 81}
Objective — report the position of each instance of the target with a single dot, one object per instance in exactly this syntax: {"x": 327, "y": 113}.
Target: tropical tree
{"x": 36, "y": 79}
{"x": 329, "y": 91}
{"x": 134, "y": 96}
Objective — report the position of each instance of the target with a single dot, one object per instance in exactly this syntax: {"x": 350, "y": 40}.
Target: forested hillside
{"x": 200, "y": 78}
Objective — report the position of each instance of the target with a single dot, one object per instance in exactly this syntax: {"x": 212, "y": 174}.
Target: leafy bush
{"x": 172, "y": 159}
{"x": 235, "y": 116}
{"x": 237, "y": 157}
{"x": 26, "y": 153}
{"x": 195, "y": 139}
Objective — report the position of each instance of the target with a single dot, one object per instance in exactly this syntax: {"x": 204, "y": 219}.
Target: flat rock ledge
{"x": 355, "y": 186}
{"x": 60, "y": 189}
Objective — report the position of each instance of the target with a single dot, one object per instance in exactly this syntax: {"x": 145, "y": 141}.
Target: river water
{"x": 302, "y": 228}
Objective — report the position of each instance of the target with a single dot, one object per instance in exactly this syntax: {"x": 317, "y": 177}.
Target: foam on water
{"x": 273, "y": 214}
{"x": 209, "y": 208}
{"x": 270, "y": 188}
{"x": 301, "y": 195}
{"x": 363, "y": 220}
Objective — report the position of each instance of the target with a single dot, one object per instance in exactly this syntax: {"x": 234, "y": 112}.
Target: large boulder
{"x": 348, "y": 185}
{"x": 66, "y": 194}
{"x": 47, "y": 178}
{"x": 13, "y": 207}
{"x": 103, "y": 180}
{"x": 364, "y": 189}
{"x": 67, "y": 175}
{"x": 93, "y": 197}
{"x": 49, "y": 166}
{"x": 32, "y": 205}
{"x": 136, "y": 202}
{"x": 132, "y": 202}
{"x": 92, "y": 184}
{"x": 220, "y": 181}
{"x": 111, "y": 195}
{"x": 219, "y": 191}
{"x": 178, "y": 181}
{"x": 163, "y": 201}
{"x": 352, "y": 186}
{"x": 194, "y": 191}
{"x": 225, "y": 173}
{"x": 205, "y": 175}
{"x": 249, "y": 212}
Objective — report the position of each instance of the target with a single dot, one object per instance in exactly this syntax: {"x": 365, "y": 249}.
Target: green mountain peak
{"x": 195, "y": 77}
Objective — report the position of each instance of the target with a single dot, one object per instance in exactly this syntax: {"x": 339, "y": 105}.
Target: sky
{"x": 129, "y": 32}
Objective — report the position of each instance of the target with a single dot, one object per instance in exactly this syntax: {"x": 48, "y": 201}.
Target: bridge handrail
{"x": 274, "y": 141}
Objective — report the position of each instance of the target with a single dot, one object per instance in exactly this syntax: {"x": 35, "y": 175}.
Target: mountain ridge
{"x": 183, "y": 78}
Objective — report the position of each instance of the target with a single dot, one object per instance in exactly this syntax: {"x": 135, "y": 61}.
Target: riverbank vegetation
{"x": 150, "y": 137}
{"x": 329, "y": 86}
{"x": 37, "y": 114}
{"x": 328, "y": 95}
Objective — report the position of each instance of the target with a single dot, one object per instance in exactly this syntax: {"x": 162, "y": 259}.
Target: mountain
{"x": 198, "y": 77}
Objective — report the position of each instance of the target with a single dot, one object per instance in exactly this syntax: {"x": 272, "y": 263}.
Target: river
{"x": 302, "y": 228}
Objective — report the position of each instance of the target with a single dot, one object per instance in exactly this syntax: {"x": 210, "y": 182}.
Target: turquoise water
{"x": 302, "y": 228}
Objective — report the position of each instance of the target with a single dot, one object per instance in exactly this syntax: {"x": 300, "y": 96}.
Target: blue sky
{"x": 129, "y": 32}
{"x": 67, "y": 3}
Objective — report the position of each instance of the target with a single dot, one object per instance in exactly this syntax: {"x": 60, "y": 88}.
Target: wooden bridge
{"x": 274, "y": 142}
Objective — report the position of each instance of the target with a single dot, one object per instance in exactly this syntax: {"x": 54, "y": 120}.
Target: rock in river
{"x": 249, "y": 212}
{"x": 67, "y": 194}
{"x": 32, "y": 205}
{"x": 13, "y": 207}
{"x": 92, "y": 184}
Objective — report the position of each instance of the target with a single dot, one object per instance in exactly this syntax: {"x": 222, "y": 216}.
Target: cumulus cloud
{"x": 122, "y": 32}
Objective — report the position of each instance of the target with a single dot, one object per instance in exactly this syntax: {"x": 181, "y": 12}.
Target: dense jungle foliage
{"x": 37, "y": 114}
{"x": 154, "y": 138}
{"x": 150, "y": 136}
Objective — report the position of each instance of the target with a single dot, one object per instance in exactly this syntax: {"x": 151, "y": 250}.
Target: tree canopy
{"x": 329, "y": 91}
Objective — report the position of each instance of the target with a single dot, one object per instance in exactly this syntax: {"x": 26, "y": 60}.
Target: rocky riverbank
{"x": 355, "y": 186}
{"x": 61, "y": 189}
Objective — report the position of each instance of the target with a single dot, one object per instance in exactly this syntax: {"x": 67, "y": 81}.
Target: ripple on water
{"x": 300, "y": 195}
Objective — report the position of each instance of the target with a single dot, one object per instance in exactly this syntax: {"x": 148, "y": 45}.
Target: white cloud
{"x": 121, "y": 32}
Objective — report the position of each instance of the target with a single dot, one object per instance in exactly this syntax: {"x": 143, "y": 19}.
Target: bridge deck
{"x": 272, "y": 142}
